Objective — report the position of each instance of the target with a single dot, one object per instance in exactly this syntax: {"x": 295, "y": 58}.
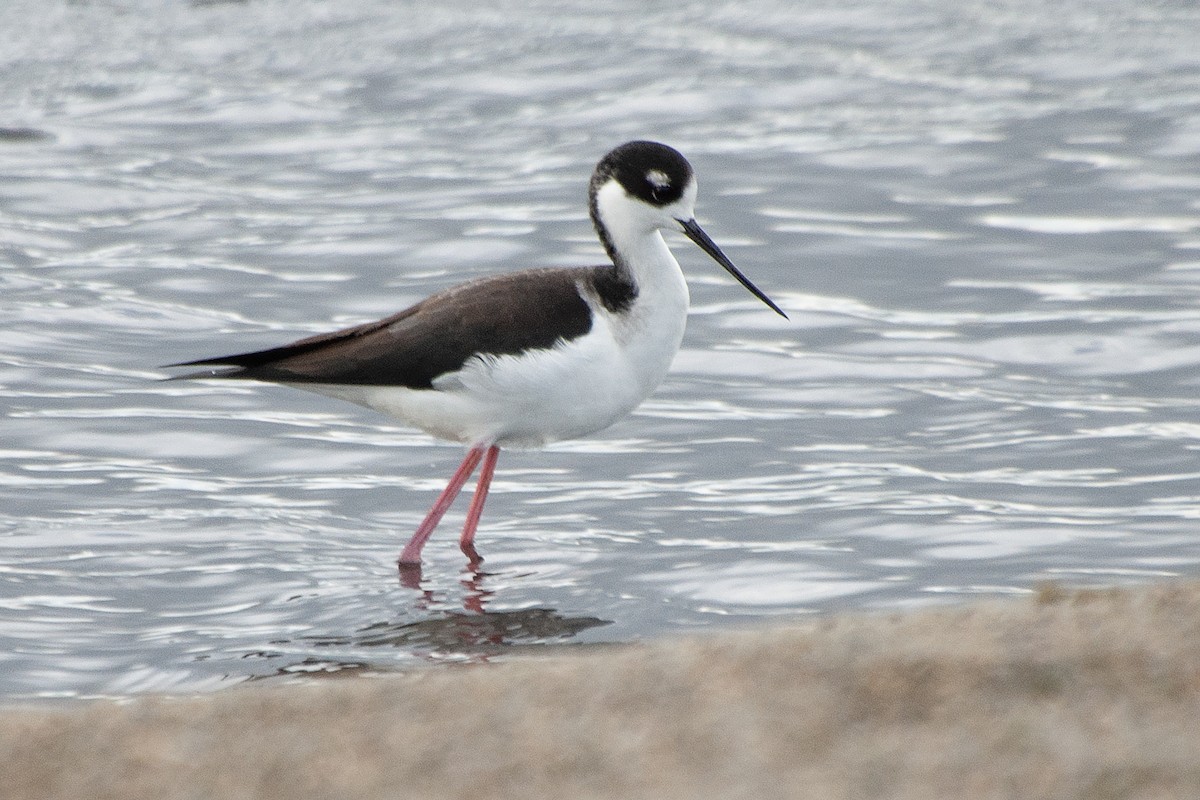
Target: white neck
{"x": 650, "y": 329}
{"x": 637, "y": 246}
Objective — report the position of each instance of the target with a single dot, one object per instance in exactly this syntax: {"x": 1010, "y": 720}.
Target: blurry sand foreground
{"x": 1070, "y": 694}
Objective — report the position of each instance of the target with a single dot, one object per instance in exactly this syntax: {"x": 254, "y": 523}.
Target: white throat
{"x": 651, "y": 329}
{"x": 634, "y": 231}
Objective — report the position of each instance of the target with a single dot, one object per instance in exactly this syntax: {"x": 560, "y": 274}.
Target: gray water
{"x": 981, "y": 217}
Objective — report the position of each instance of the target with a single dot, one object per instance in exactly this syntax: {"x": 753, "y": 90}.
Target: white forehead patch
{"x": 658, "y": 179}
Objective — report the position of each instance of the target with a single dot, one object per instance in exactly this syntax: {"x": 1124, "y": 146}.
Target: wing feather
{"x": 498, "y": 315}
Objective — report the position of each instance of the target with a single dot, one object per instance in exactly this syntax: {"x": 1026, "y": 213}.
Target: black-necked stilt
{"x": 528, "y": 357}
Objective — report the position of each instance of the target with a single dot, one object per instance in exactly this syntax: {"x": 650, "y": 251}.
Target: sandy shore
{"x": 1069, "y": 694}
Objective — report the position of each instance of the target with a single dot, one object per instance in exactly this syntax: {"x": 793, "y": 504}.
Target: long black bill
{"x": 693, "y": 231}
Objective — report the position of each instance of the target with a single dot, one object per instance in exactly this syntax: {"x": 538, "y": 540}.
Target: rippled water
{"x": 982, "y": 219}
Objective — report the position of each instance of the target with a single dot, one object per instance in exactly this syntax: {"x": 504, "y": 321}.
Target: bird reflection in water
{"x": 412, "y": 577}
{"x": 474, "y": 633}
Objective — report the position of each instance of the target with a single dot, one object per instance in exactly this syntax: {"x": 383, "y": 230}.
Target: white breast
{"x": 572, "y": 389}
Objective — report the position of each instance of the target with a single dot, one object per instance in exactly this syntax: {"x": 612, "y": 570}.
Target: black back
{"x": 500, "y": 315}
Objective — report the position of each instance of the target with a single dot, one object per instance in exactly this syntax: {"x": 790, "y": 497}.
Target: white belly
{"x": 528, "y": 400}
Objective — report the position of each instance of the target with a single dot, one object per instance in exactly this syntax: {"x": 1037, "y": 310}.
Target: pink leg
{"x": 412, "y": 550}
{"x": 467, "y": 542}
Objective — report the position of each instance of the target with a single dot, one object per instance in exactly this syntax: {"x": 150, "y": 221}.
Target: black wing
{"x": 499, "y": 315}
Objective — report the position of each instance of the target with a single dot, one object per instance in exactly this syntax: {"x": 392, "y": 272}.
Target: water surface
{"x": 982, "y": 221}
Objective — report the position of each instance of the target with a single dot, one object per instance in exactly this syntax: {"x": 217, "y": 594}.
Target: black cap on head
{"x": 649, "y": 171}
